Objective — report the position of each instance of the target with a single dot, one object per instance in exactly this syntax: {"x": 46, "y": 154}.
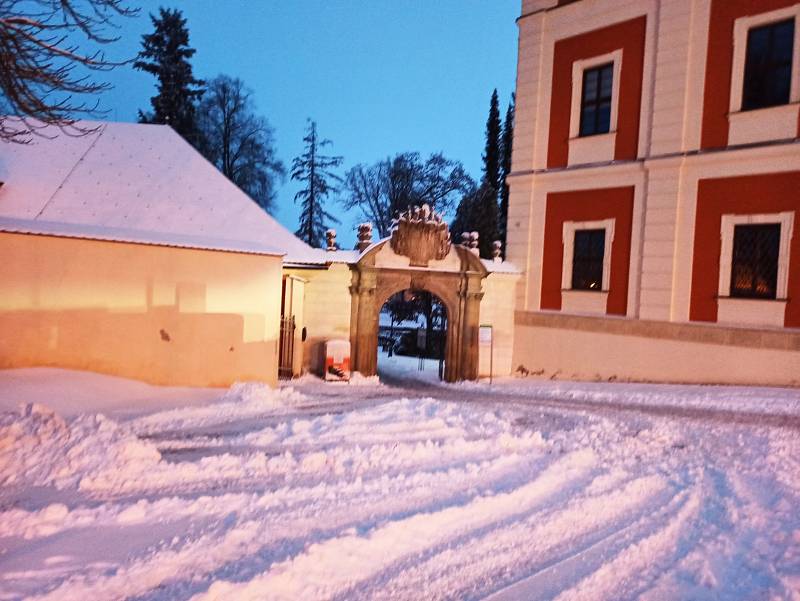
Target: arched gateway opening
{"x": 412, "y": 338}
{"x": 419, "y": 256}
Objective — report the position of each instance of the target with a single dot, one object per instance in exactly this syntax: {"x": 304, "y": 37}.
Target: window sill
{"x": 584, "y": 301}
{"x": 763, "y": 125}
{"x": 751, "y": 311}
{"x": 592, "y": 149}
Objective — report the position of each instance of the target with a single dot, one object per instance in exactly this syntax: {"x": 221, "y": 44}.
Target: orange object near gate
{"x": 337, "y": 360}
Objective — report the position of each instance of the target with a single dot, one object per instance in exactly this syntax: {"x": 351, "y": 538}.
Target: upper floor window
{"x": 768, "y": 65}
{"x": 587, "y": 259}
{"x": 754, "y": 264}
{"x": 596, "y": 100}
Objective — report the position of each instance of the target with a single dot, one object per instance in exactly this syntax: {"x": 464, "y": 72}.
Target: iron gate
{"x": 286, "y": 351}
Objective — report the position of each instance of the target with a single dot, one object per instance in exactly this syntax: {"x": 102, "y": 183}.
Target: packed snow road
{"x": 525, "y": 490}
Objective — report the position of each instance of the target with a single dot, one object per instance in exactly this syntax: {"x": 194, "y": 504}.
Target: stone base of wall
{"x": 601, "y": 348}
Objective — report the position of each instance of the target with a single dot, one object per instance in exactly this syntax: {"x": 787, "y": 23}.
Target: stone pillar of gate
{"x": 452, "y": 359}
{"x": 364, "y": 341}
{"x": 472, "y": 296}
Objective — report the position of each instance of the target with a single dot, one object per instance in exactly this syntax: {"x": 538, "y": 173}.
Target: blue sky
{"x": 378, "y": 76}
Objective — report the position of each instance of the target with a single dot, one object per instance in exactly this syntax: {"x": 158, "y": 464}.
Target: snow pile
{"x": 93, "y": 452}
{"x": 309, "y": 379}
{"x": 356, "y": 379}
{"x": 39, "y": 448}
{"x": 70, "y": 393}
{"x": 242, "y": 401}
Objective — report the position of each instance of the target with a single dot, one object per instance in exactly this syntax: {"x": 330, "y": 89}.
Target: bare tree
{"x": 392, "y": 185}
{"x": 237, "y": 140}
{"x": 39, "y": 82}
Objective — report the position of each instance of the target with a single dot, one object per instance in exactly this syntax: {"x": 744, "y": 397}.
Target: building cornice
{"x": 544, "y": 10}
{"x": 713, "y": 152}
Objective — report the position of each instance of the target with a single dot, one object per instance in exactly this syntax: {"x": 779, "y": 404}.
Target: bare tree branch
{"x": 39, "y": 83}
{"x": 392, "y": 185}
{"x": 238, "y": 141}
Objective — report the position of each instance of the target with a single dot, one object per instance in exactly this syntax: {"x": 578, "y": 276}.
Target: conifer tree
{"x": 491, "y": 154}
{"x": 506, "y": 144}
{"x": 478, "y": 211}
{"x": 165, "y": 54}
{"x": 313, "y": 169}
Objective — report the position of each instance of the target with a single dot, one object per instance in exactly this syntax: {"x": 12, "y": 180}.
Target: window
{"x": 592, "y": 116}
{"x": 768, "y": 65}
{"x": 596, "y": 100}
{"x": 754, "y": 266}
{"x": 587, "y": 259}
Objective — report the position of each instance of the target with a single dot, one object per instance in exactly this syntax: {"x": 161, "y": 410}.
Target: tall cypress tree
{"x": 314, "y": 169}
{"x": 478, "y": 210}
{"x": 491, "y": 154}
{"x": 506, "y": 144}
{"x": 165, "y": 54}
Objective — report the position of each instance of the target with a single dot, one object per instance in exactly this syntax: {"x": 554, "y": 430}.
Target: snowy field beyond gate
{"x": 525, "y": 490}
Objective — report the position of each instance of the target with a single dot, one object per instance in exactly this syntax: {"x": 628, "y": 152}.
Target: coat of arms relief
{"x": 421, "y": 235}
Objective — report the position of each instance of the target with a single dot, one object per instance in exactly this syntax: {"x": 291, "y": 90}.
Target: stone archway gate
{"x": 418, "y": 256}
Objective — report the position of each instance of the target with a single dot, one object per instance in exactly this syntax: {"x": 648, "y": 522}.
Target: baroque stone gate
{"x": 419, "y": 256}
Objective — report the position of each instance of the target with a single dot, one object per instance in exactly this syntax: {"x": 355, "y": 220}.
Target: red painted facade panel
{"x": 752, "y": 194}
{"x": 630, "y": 37}
{"x": 588, "y": 205}
{"x": 719, "y": 64}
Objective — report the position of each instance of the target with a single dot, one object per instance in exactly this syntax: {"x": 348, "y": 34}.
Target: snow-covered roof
{"x": 321, "y": 256}
{"x": 140, "y": 181}
{"x": 499, "y": 266}
{"x": 97, "y": 232}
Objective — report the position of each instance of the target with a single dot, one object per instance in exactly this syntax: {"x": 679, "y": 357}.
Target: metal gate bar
{"x": 286, "y": 348}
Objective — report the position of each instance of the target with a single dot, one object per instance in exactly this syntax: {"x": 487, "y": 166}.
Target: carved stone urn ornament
{"x": 330, "y": 240}
{"x": 364, "y": 236}
{"x": 421, "y": 235}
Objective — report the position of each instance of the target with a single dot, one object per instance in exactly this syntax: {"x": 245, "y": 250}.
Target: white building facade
{"x": 655, "y": 190}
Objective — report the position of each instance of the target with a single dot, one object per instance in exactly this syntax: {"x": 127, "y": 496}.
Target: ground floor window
{"x": 587, "y": 259}
{"x": 587, "y": 255}
{"x": 754, "y": 267}
{"x": 754, "y": 258}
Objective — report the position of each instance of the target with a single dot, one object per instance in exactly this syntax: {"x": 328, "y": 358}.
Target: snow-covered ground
{"x": 523, "y": 490}
{"x": 408, "y": 370}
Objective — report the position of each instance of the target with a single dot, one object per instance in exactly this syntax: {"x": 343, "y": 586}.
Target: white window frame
{"x": 598, "y": 147}
{"x": 585, "y": 301}
{"x": 754, "y": 311}
{"x": 729, "y": 222}
{"x": 770, "y": 123}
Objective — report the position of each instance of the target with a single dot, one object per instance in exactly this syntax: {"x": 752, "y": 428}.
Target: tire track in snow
{"x": 540, "y": 541}
{"x": 634, "y": 569}
{"x": 270, "y": 525}
{"x": 330, "y": 567}
{"x": 57, "y": 517}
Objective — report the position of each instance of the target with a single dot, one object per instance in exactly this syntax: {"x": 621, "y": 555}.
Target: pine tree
{"x": 165, "y": 54}
{"x": 491, "y": 154}
{"x": 314, "y": 169}
{"x": 506, "y": 144}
